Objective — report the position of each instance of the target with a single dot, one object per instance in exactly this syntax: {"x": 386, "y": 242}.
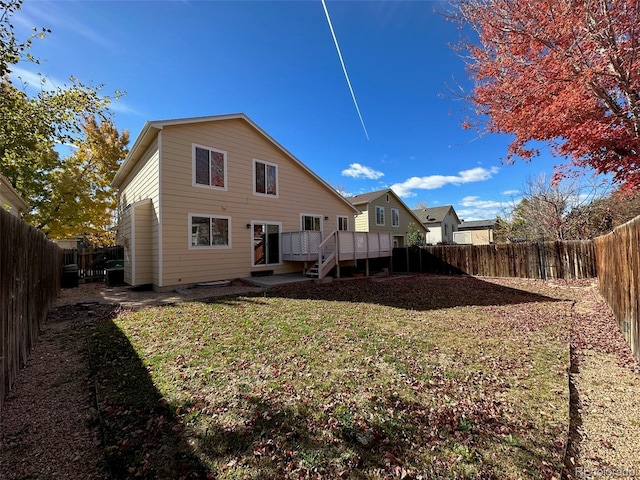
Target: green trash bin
{"x": 115, "y": 263}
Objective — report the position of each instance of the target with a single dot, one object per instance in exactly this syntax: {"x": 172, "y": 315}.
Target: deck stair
{"x": 339, "y": 246}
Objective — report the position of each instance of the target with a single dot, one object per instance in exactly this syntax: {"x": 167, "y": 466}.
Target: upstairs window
{"x": 266, "y": 178}
{"x": 209, "y": 167}
{"x": 379, "y": 216}
{"x": 395, "y": 217}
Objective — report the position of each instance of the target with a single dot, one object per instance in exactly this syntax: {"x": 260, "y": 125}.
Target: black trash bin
{"x": 70, "y": 276}
{"x": 114, "y": 273}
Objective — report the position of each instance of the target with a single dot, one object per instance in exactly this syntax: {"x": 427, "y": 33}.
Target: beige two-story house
{"x": 215, "y": 198}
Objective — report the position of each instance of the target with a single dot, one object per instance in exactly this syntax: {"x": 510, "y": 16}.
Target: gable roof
{"x": 477, "y": 224}
{"x": 367, "y": 198}
{"x": 10, "y": 194}
{"x": 435, "y": 214}
{"x": 151, "y": 129}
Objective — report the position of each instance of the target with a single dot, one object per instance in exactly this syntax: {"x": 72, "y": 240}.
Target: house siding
{"x": 434, "y": 235}
{"x": 298, "y": 192}
{"x": 362, "y": 222}
{"x": 366, "y": 221}
{"x": 10, "y": 200}
{"x": 142, "y": 185}
{"x": 144, "y": 251}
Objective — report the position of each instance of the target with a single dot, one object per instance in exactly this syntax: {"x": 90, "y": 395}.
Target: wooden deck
{"x": 310, "y": 246}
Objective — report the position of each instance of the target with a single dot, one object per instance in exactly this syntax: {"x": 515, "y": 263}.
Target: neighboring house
{"x": 67, "y": 243}
{"x": 215, "y": 198}
{"x": 475, "y": 232}
{"x": 11, "y": 200}
{"x": 441, "y": 222}
{"x": 383, "y": 211}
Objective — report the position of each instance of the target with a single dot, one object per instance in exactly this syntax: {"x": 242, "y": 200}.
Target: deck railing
{"x": 301, "y": 246}
{"x": 310, "y": 246}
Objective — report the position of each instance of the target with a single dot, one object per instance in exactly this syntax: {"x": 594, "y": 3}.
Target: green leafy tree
{"x": 78, "y": 199}
{"x": 69, "y": 196}
{"x": 12, "y": 49}
{"x": 415, "y": 237}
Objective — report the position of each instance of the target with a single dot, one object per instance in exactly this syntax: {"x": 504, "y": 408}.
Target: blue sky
{"x": 276, "y": 61}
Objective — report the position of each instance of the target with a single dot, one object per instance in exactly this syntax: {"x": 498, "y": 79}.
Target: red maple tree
{"x": 565, "y": 72}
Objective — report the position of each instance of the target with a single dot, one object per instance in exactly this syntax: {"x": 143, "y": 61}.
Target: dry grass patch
{"x": 410, "y": 378}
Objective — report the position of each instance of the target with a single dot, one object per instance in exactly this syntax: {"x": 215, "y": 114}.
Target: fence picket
{"x": 618, "y": 264}
{"x": 570, "y": 260}
{"x": 30, "y": 273}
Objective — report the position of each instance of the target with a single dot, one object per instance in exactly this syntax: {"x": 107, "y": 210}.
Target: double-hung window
{"x": 209, "y": 231}
{"x": 395, "y": 217}
{"x": 343, "y": 223}
{"x": 379, "y": 216}
{"x": 265, "y": 178}
{"x": 209, "y": 167}
{"x": 311, "y": 222}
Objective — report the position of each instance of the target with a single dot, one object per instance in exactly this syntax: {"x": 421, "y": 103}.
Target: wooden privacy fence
{"x": 617, "y": 257}
{"x": 541, "y": 260}
{"x": 30, "y": 273}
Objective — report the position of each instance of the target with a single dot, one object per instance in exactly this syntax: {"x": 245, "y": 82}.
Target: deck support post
{"x": 366, "y": 263}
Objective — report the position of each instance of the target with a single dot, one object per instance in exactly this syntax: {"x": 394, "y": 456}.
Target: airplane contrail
{"x": 344, "y": 69}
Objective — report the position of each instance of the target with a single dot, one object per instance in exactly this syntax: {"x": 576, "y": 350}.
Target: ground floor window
{"x": 209, "y": 231}
{"x": 343, "y": 223}
{"x": 266, "y": 243}
{"x": 311, "y": 222}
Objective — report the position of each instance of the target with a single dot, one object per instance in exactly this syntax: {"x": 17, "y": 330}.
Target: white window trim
{"x": 398, "y": 211}
{"x": 207, "y": 247}
{"x": 193, "y": 167}
{"x": 302, "y": 215}
{"x": 265, "y": 222}
{"x": 346, "y": 218}
{"x": 253, "y": 187}
{"x": 383, "y": 215}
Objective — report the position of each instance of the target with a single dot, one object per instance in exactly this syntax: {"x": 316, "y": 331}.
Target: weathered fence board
{"x": 542, "y": 260}
{"x": 30, "y": 273}
{"x": 618, "y": 260}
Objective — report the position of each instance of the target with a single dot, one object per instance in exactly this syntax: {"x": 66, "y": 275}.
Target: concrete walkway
{"x": 274, "y": 280}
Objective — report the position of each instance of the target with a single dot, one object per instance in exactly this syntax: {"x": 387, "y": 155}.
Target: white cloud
{"x": 431, "y": 182}
{"x": 473, "y": 201}
{"x": 477, "y": 209}
{"x": 511, "y": 192}
{"x": 356, "y": 170}
{"x": 31, "y": 80}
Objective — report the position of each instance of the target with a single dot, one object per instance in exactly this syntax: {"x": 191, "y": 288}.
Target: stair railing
{"x": 328, "y": 254}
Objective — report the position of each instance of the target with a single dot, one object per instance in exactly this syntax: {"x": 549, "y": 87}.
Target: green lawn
{"x": 417, "y": 377}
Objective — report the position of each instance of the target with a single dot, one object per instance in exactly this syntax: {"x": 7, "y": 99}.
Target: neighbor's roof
{"x": 477, "y": 224}
{"x": 151, "y": 129}
{"x": 367, "y": 198}
{"x": 10, "y": 194}
{"x": 435, "y": 214}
